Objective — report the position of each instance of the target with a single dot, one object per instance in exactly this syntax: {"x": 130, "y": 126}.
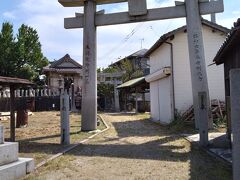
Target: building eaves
{"x": 62, "y": 70}
{"x": 170, "y": 34}
{"x": 231, "y": 39}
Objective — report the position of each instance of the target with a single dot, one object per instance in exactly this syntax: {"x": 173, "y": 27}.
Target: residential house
{"x": 170, "y": 77}
{"x": 138, "y": 60}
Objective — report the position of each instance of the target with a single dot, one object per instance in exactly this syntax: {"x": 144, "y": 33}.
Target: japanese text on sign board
{"x": 198, "y": 57}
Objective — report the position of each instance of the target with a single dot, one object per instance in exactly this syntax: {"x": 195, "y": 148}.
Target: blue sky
{"x": 114, "y": 42}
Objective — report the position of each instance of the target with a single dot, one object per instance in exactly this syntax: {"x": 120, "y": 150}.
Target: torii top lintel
{"x": 76, "y": 3}
{"x": 138, "y": 12}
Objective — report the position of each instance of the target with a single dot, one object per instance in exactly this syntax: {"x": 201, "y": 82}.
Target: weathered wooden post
{"x": 235, "y": 120}
{"x": 65, "y": 129}
{"x": 136, "y": 92}
{"x": 12, "y": 114}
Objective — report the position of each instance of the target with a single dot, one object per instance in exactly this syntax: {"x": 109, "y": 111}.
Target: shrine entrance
{"x": 138, "y": 12}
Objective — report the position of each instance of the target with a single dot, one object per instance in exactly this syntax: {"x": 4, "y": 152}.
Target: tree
{"x": 21, "y": 56}
{"x": 7, "y": 60}
{"x": 29, "y": 53}
{"x": 130, "y": 72}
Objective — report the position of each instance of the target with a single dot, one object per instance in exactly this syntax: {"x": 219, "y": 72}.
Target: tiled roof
{"x": 54, "y": 67}
{"x": 168, "y": 35}
{"x": 14, "y": 81}
{"x": 232, "y": 38}
{"x": 65, "y": 58}
{"x": 139, "y": 53}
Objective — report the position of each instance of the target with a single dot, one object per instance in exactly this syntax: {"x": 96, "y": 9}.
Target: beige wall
{"x": 182, "y": 76}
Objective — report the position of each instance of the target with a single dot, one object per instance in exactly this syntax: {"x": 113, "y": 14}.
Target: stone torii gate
{"x": 138, "y": 12}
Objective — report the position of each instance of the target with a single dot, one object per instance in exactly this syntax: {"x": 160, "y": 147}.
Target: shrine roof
{"x": 64, "y": 65}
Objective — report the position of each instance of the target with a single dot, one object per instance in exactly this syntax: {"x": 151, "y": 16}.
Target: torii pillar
{"x": 89, "y": 89}
{"x": 200, "y": 90}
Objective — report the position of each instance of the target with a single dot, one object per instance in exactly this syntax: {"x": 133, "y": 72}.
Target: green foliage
{"x": 7, "y": 42}
{"x": 130, "y": 72}
{"x": 220, "y": 122}
{"x": 178, "y": 124}
{"x": 109, "y": 69}
{"x": 105, "y": 89}
{"x": 21, "y": 56}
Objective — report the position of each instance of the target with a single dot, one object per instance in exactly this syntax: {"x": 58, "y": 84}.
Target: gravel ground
{"x": 135, "y": 148}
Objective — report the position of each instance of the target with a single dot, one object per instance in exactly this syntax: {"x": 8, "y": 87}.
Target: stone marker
{"x": 65, "y": 129}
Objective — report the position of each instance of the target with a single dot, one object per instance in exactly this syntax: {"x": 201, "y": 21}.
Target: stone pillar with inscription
{"x": 198, "y": 69}
{"x": 89, "y": 89}
{"x": 65, "y": 128}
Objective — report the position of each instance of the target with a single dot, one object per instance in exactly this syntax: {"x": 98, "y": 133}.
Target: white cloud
{"x": 9, "y": 15}
{"x": 236, "y": 12}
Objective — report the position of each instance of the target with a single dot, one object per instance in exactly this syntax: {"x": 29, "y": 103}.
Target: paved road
{"x": 134, "y": 148}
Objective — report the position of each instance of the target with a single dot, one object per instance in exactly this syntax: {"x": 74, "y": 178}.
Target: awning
{"x": 160, "y": 74}
{"x": 132, "y": 83}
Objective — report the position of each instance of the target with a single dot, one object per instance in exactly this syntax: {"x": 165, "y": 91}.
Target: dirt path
{"x": 134, "y": 148}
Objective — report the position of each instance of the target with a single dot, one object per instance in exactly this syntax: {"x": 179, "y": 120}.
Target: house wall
{"x": 181, "y": 68}
{"x": 154, "y": 107}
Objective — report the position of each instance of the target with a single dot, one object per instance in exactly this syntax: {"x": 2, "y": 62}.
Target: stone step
{"x": 16, "y": 169}
{"x": 8, "y": 153}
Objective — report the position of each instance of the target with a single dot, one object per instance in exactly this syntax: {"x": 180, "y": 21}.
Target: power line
{"x": 122, "y": 42}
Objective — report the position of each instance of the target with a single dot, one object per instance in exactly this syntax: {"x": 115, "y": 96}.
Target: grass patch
{"x": 41, "y": 138}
